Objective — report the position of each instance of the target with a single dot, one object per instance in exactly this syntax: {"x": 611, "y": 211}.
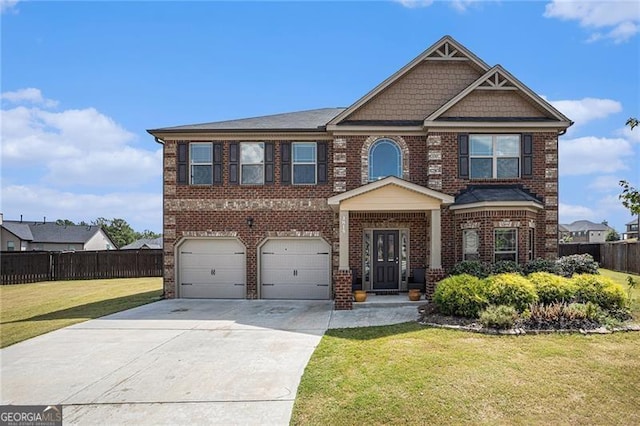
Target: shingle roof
{"x": 585, "y": 225}
{"x": 19, "y": 229}
{"x": 315, "y": 119}
{"x": 632, "y": 221}
{"x": 51, "y": 232}
{"x": 479, "y": 194}
{"x": 155, "y": 243}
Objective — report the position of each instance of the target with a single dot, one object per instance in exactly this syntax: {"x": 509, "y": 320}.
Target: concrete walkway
{"x": 180, "y": 361}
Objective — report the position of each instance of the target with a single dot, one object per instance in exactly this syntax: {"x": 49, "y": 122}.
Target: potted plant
{"x": 359, "y": 295}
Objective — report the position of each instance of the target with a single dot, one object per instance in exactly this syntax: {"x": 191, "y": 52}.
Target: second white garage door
{"x": 295, "y": 269}
{"x": 212, "y": 269}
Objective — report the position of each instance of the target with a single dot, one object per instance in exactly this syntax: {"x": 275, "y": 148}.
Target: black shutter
{"x": 463, "y": 155}
{"x": 268, "y": 163}
{"x": 181, "y": 163}
{"x": 527, "y": 155}
{"x": 217, "y": 163}
{"x": 285, "y": 163}
{"x": 233, "y": 163}
{"x": 322, "y": 162}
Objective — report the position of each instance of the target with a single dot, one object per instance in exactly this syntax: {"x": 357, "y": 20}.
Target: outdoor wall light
{"x": 250, "y": 222}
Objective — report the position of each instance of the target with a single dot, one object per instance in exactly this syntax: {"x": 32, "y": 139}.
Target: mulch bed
{"x": 429, "y": 316}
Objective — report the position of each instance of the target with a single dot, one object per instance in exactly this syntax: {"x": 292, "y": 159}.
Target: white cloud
{"x": 605, "y": 183}
{"x": 591, "y": 154}
{"x": 7, "y": 5}
{"x": 141, "y": 210}
{"x": 459, "y": 5}
{"x": 413, "y": 4}
{"x": 569, "y": 213}
{"x": 80, "y": 147}
{"x": 619, "y": 20}
{"x": 464, "y": 5}
{"x": 582, "y": 111}
{"x": 627, "y": 133}
{"x": 29, "y": 95}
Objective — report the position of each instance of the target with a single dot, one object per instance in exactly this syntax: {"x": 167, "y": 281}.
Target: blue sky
{"x": 82, "y": 81}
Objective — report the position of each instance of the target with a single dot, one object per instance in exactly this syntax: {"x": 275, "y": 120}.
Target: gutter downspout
{"x": 161, "y": 142}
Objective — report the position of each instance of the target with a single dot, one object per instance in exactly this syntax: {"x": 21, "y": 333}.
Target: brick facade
{"x": 430, "y": 159}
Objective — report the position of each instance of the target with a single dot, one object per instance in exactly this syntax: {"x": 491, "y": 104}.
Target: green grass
{"x": 28, "y": 310}
{"x": 410, "y": 374}
{"x": 621, "y": 278}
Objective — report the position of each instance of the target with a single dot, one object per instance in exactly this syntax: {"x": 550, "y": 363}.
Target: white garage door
{"x": 212, "y": 269}
{"x": 295, "y": 269}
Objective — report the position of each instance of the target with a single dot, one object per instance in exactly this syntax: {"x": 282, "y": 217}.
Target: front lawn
{"x": 28, "y": 310}
{"x": 410, "y": 374}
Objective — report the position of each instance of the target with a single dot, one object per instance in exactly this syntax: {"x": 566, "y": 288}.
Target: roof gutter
{"x": 158, "y": 140}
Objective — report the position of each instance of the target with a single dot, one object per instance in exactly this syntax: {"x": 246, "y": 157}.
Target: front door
{"x": 385, "y": 260}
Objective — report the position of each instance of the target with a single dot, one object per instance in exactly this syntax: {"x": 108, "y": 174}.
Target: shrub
{"x": 541, "y": 265}
{"x": 501, "y": 317}
{"x": 472, "y": 267}
{"x": 510, "y": 289}
{"x": 577, "y": 264}
{"x": 563, "y": 316}
{"x": 461, "y": 295}
{"x": 505, "y": 266}
{"x": 552, "y": 288}
{"x": 600, "y": 290}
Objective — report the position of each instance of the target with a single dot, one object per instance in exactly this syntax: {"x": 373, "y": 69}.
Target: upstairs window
{"x": 494, "y": 156}
{"x": 201, "y": 163}
{"x": 252, "y": 163}
{"x": 385, "y": 159}
{"x": 304, "y": 163}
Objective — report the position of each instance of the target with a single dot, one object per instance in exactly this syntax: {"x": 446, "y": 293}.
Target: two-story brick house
{"x": 448, "y": 159}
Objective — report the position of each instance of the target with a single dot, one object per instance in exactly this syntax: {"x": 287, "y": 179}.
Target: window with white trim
{"x": 470, "y": 244}
{"x": 11, "y": 246}
{"x": 201, "y": 163}
{"x": 494, "y": 156}
{"x": 532, "y": 243}
{"x": 252, "y": 163}
{"x": 385, "y": 159}
{"x": 505, "y": 244}
{"x": 304, "y": 163}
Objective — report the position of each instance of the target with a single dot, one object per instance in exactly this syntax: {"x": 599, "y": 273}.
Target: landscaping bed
{"x": 543, "y": 296}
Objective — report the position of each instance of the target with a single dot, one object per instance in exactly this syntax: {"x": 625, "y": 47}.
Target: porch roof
{"x": 390, "y": 194}
{"x": 496, "y": 196}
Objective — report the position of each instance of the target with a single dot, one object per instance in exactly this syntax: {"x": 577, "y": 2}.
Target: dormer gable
{"x": 419, "y": 88}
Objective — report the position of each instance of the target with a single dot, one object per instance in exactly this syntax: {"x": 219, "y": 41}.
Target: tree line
{"x": 118, "y": 229}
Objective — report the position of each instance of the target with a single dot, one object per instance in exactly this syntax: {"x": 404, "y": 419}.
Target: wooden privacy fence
{"x": 29, "y": 267}
{"x": 619, "y": 256}
{"x": 581, "y": 248}
{"x": 623, "y": 257}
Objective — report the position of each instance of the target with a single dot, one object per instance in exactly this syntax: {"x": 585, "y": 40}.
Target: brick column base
{"x": 433, "y": 276}
{"x": 343, "y": 298}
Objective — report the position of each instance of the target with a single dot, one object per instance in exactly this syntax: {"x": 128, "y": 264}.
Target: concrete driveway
{"x": 172, "y": 362}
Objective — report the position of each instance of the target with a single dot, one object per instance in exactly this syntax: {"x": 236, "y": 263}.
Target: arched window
{"x": 385, "y": 159}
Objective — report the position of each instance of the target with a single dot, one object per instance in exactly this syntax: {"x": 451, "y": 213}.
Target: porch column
{"x": 435, "y": 260}
{"x": 344, "y": 241}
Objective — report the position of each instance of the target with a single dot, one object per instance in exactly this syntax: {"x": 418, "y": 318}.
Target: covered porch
{"x": 386, "y": 230}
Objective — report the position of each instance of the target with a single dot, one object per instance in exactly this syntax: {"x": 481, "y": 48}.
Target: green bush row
{"x": 565, "y": 266}
{"x": 466, "y": 295}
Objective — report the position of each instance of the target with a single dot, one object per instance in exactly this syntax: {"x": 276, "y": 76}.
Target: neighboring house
{"x": 144, "y": 243}
{"x": 447, "y": 159}
{"x": 631, "y": 229}
{"x": 584, "y": 231}
{"x": 49, "y": 236}
{"x": 564, "y": 235}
